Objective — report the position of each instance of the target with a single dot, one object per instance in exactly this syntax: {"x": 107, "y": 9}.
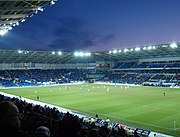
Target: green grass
{"x": 143, "y": 107}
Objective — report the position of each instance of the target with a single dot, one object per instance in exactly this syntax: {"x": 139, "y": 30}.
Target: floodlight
{"x": 137, "y": 49}
{"x": 9, "y": 28}
{"x": 23, "y": 20}
{"x": 154, "y": 47}
{"x": 81, "y": 54}
{"x": 119, "y": 51}
{"x": 131, "y": 49}
{"x": 110, "y": 52}
{"x": 87, "y": 54}
{"x": 36, "y": 11}
{"x": 52, "y": 2}
{"x": 59, "y": 53}
{"x": 40, "y": 9}
{"x": 164, "y": 46}
{"x": 17, "y": 23}
{"x": 126, "y": 50}
{"x": 114, "y": 51}
{"x": 173, "y": 45}
{"x": 20, "y": 51}
{"x": 144, "y": 48}
{"x": 53, "y": 52}
{"x": 3, "y": 32}
{"x": 149, "y": 47}
{"x": 76, "y": 54}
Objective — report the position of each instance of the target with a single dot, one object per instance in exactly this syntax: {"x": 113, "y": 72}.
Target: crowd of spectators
{"x": 152, "y": 74}
{"x": 33, "y": 77}
{"x": 21, "y": 119}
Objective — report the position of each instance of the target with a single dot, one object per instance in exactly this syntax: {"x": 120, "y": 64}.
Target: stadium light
{"x": 114, "y": 51}
{"x": 110, "y": 52}
{"x": 40, "y": 9}
{"x": 59, "y": 53}
{"x": 119, "y": 51}
{"x": 75, "y": 53}
{"x": 20, "y": 51}
{"x": 153, "y": 47}
{"x": 126, "y": 50}
{"x": 53, "y": 52}
{"x": 87, "y": 54}
{"x": 173, "y": 45}
{"x": 17, "y": 23}
{"x": 3, "y": 32}
{"x": 131, "y": 49}
{"x": 52, "y": 2}
{"x": 81, "y": 54}
{"x": 149, "y": 47}
{"x": 137, "y": 49}
{"x": 23, "y": 20}
{"x": 144, "y": 48}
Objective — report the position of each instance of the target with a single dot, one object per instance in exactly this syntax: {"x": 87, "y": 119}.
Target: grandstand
{"x": 150, "y": 70}
{"x": 153, "y": 67}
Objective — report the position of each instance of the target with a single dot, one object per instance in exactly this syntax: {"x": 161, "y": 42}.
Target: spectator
{"x": 42, "y": 131}
{"x": 93, "y": 133}
{"x": 10, "y": 124}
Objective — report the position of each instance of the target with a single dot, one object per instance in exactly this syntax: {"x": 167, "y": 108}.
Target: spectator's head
{"x": 42, "y": 131}
{"x": 9, "y": 114}
{"x": 93, "y": 133}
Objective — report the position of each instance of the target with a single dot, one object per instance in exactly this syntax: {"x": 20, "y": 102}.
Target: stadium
{"x": 123, "y": 92}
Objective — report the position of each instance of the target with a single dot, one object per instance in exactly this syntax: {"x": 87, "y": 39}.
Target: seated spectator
{"x": 10, "y": 120}
{"x": 69, "y": 126}
{"x": 42, "y": 131}
{"x": 93, "y": 133}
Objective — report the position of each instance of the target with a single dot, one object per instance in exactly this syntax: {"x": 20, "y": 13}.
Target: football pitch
{"x": 143, "y": 107}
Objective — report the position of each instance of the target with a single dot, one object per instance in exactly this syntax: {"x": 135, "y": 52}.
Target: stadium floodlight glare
{"x": 126, "y": 50}
{"x": 131, "y": 49}
{"x": 76, "y": 53}
{"x": 149, "y": 47}
{"x": 87, "y": 54}
{"x": 110, "y": 52}
{"x": 59, "y": 53}
{"x": 153, "y": 47}
{"x": 137, "y": 49}
{"x": 52, "y": 2}
{"x": 9, "y": 28}
{"x": 144, "y": 48}
{"x": 20, "y": 51}
{"x": 173, "y": 45}
{"x": 114, "y": 51}
{"x": 119, "y": 51}
{"x": 40, "y": 9}
{"x": 17, "y": 23}
{"x": 81, "y": 54}
{"x": 23, "y": 20}
{"x": 3, "y": 32}
{"x": 53, "y": 52}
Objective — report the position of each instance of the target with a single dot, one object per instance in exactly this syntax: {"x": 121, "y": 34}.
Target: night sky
{"x": 97, "y": 25}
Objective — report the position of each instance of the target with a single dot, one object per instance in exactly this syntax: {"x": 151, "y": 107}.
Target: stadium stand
{"x": 162, "y": 72}
{"x": 67, "y": 124}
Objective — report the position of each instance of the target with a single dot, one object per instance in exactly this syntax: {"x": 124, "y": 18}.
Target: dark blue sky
{"x": 97, "y": 25}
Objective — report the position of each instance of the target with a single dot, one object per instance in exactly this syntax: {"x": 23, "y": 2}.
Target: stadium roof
{"x": 13, "y": 12}
{"x": 132, "y": 54}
